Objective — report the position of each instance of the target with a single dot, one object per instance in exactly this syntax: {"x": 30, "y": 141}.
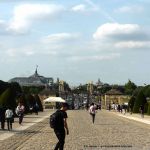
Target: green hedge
{"x": 140, "y": 100}
{"x": 7, "y": 99}
{"x": 148, "y": 110}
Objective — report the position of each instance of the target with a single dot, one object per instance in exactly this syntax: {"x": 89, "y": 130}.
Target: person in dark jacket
{"x": 61, "y": 126}
{"x": 2, "y": 118}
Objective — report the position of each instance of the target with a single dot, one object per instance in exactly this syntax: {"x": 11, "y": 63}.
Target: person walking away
{"x": 142, "y": 111}
{"x": 60, "y": 126}
{"x": 36, "y": 108}
{"x": 9, "y": 118}
{"x": 2, "y": 118}
{"x": 109, "y": 107}
{"x": 20, "y": 112}
{"x": 31, "y": 109}
{"x": 92, "y": 111}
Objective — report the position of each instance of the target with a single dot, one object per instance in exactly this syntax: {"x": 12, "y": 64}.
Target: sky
{"x": 76, "y": 40}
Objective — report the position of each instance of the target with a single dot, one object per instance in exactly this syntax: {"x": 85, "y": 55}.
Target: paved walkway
{"x": 135, "y": 117}
{"x": 28, "y": 121}
{"x": 110, "y": 132}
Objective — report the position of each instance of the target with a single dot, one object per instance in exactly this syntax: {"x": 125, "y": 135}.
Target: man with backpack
{"x": 58, "y": 121}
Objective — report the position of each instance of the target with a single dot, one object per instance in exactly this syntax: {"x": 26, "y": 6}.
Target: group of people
{"x": 7, "y": 115}
{"x": 117, "y": 107}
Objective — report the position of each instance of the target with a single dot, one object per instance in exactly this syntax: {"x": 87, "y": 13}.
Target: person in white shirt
{"x": 9, "y": 118}
{"x": 92, "y": 111}
{"x": 20, "y": 112}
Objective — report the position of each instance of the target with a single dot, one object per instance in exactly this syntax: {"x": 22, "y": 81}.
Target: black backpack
{"x": 53, "y": 120}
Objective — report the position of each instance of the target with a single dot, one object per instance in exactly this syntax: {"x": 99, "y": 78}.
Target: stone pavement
{"x": 28, "y": 121}
{"x": 135, "y": 117}
{"x": 110, "y": 132}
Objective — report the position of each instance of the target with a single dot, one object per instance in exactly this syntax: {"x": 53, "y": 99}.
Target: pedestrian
{"x": 109, "y": 107}
{"x": 142, "y": 111}
{"x": 87, "y": 106}
{"x": 9, "y": 118}
{"x": 119, "y": 108}
{"x": 20, "y": 112}
{"x": 31, "y": 108}
{"x": 2, "y": 117}
{"x": 61, "y": 125}
{"x": 123, "y": 109}
{"x": 36, "y": 108}
{"x": 92, "y": 111}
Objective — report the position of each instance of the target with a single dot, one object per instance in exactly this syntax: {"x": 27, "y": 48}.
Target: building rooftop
{"x": 33, "y": 80}
{"x": 114, "y": 92}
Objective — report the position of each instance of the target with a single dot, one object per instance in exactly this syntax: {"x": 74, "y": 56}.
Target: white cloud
{"x": 116, "y": 31}
{"x": 120, "y": 36}
{"x": 60, "y": 37}
{"x": 79, "y": 8}
{"x": 133, "y": 44}
{"x": 130, "y": 9}
{"x": 3, "y": 26}
{"x": 12, "y": 52}
{"x": 2, "y": 22}
{"x": 95, "y": 57}
{"x": 26, "y": 14}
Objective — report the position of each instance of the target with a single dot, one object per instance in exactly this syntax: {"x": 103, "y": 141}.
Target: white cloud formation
{"x": 130, "y": 36}
{"x": 133, "y": 44}
{"x": 24, "y": 15}
{"x": 60, "y": 37}
{"x": 79, "y": 8}
{"x": 95, "y": 57}
{"x": 130, "y": 9}
{"x": 3, "y": 26}
{"x": 113, "y": 30}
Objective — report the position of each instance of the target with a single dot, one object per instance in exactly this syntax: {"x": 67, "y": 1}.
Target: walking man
{"x": 92, "y": 111}
{"x": 60, "y": 126}
{"x": 9, "y": 117}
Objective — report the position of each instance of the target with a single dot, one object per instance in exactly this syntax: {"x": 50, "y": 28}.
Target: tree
{"x": 7, "y": 99}
{"x": 130, "y": 87}
{"x": 32, "y": 89}
{"x": 105, "y": 88}
{"x": 140, "y": 100}
{"x": 146, "y": 91}
{"x": 131, "y": 104}
{"x": 148, "y": 110}
{"x": 3, "y": 86}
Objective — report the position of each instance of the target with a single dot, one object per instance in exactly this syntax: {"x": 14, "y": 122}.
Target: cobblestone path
{"x": 109, "y": 132}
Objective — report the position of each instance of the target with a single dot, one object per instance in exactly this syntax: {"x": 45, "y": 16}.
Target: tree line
{"x": 12, "y": 93}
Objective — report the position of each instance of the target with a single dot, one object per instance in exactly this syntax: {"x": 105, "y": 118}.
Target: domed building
{"x": 33, "y": 80}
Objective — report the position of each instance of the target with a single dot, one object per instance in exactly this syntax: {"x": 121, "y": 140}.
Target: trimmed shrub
{"x": 131, "y": 104}
{"x": 148, "y": 110}
{"x": 7, "y": 99}
{"x": 140, "y": 100}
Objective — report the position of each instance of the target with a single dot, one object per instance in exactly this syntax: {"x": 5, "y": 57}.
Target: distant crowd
{"x": 8, "y": 115}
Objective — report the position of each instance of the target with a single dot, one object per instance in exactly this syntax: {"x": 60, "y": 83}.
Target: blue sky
{"x": 76, "y": 40}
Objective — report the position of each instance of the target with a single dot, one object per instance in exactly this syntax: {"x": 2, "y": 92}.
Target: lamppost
{"x": 89, "y": 91}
